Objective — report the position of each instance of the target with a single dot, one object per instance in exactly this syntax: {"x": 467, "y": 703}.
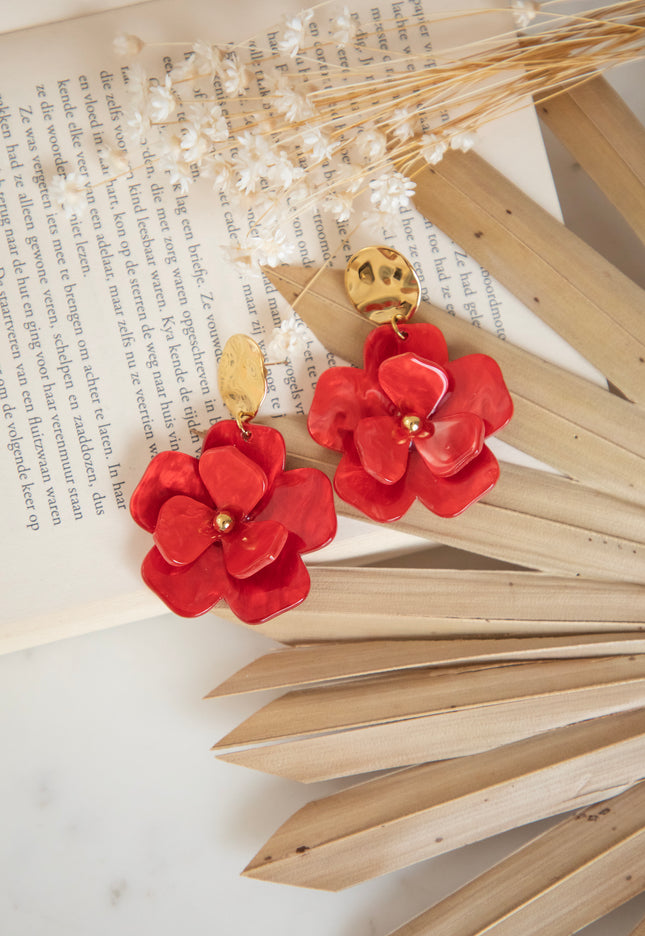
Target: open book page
{"x": 39, "y": 12}
{"x": 111, "y": 324}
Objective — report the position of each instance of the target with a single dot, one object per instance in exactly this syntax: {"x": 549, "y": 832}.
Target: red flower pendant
{"x": 232, "y": 524}
{"x": 411, "y": 424}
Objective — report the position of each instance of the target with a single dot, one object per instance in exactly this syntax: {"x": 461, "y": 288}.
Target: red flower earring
{"x": 231, "y": 524}
{"x": 411, "y": 424}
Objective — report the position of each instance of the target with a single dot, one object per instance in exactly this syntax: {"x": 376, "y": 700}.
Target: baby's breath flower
{"x": 219, "y": 170}
{"x": 282, "y": 173}
{"x": 270, "y": 248}
{"x": 206, "y": 59}
{"x": 524, "y": 12}
{"x": 254, "y": 156}
{"x": 391, "y": 191}
{"x": 464, "y": 140}
{"x": 137, "y": 121}
{"x": 69, "y": 193}
{"x": 403, "y": 123}
{"x": 241, "y": 258}
{"x": 138, "y": 83}
{"x": 194, "y": 144}
{"x": 372, "y": 146}
{"x": 162, "y": 101}
{"x": 288, "y": 340}
{"x": 345, "y": 27}
{"x": 127, "y": 46}
{"x": 293, "y": 38}
{"x": 207, "y": 119}
{"x": 234, "y": 75}
{"x": 316, "y": 145}
{"x": 181, "y": 178}
{"x": 293, "y": 105}
{"x": 377, "y": 222}
{"x": 184, "y": 70}
{"x": 339, "y": 205}
{"x": 432, "y": 148}
{"x": 116, "y": 159}
{"x": 174, "y": 161}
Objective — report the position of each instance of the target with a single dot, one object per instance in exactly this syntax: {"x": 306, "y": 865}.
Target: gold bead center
{"x": 223, "y": 521}
{"x": 411, "y": 423}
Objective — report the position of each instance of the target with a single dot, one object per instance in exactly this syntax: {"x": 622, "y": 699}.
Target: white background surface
{"x": 115, "y": 817}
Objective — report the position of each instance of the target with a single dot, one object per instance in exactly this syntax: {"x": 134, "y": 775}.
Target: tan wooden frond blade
{"x": 640, "y": 929}
{"x": 413, "y": 814}
{"x": 412, "y": 693}
{"x": 594, "y": 306}
{"x": 327, "y": 662}
{"x": 607, "y": 140}
{"x": 459, "y": 733}
{"x": 555, "y": 885}
{"x": 560, "y": 418}
{"x": 526, "y": 533}
{"x": 349, "y": 603}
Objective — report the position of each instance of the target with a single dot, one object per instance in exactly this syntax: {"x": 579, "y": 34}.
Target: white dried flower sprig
{"x": 288, "y": 340}
{"x": 277, "y": 135}
{"x": 69, "y": 192}
{"x": 115, "y": 159}
{"x": 127, "y": 46}
{"x": 294, "y": 35}
{"x": 524, "y": 12}
{"x": 345, "y": 28}
{"x": 391, "y": 192}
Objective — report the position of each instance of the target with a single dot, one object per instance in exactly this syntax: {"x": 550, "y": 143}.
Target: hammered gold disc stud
{"x": 241, "y": 377}
{"x": 381, "y": 282}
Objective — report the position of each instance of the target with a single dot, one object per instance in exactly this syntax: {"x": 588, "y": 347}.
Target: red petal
{"x": 187, "y": 590}
{"x": 252, "y": 546}
{"x": 343, "y": 396}
{"x": 168, "y": 473}
{"x": 414, "y": 385}
{"x": 184, "y": 530}
{"x": 382, "y": 502}
{"x": 234, "y": 481}
{"x": 424, "y": 340}
{"x": 456, "y": 440}
{"x": 448, "y": 497}
{"x": 303, "y": 501}
{"x": 381, "y": 455}
{"x": 265, "y": 446}
{"x": 277, "y": 588}
{"x": 477, "y": 386}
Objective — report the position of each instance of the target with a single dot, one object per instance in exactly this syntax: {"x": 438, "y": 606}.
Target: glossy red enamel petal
{"x": 250, "y": 547}
{"x": 414, "y": 385}
{"x": 343, "y": 396}
{"x": 234, "y": 481}
{"x": 382, "y": 502}
{"x": 184, "y": 530}
{"x": 448, "y": 497}
{"x": 187, "y": 590}
{"x": 302, "y": 500}
{"x": 424, "y": 340}
{"x": 279, "y": 587}
{"x": 382, "y": 454}
{"x": 455, "y": 441}
{"x": 168, "y": 473}
{"x": 265, "y": 445}
{"x": 477, "y": 386}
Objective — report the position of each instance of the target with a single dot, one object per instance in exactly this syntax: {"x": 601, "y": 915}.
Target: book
{"x": 112, "y": 323}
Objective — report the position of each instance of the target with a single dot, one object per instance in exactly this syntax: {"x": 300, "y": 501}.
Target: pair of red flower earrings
{"x": 231, "y": 525}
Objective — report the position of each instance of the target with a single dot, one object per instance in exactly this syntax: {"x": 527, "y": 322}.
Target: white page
{"x": 111, "y": 324}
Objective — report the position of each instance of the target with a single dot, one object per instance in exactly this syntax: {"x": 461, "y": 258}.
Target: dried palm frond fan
{"x": 492, "y": 698}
